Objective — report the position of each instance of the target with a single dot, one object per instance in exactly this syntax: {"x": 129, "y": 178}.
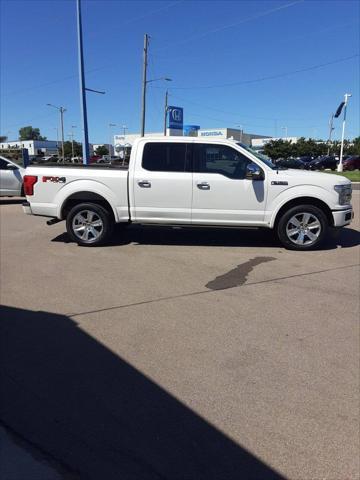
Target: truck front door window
{"x": 220, "y": 159}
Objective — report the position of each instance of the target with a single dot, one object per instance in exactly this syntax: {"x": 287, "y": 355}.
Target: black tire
{"x": 95, "y": 224}
{"x": 286, "y": 229}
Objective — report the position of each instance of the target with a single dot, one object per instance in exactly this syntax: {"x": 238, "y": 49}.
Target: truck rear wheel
{"x": 302, "y": 227}
{"x": 89, "y": 224}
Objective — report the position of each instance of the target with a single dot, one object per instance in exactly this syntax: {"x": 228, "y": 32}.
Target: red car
{"x": 352, "y": 163}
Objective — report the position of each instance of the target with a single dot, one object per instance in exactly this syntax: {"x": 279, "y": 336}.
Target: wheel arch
{"x": 85, "y": 197}
{"x": 316, "y": 202}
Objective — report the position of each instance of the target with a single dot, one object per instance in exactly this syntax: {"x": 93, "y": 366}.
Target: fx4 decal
{"x": 54, "y": 179}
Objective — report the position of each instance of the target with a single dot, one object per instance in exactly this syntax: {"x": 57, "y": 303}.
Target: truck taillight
{"x": 29, "y": 182}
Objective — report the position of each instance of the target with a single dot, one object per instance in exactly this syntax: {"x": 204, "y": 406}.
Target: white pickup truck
{"x": 192, "y": 182}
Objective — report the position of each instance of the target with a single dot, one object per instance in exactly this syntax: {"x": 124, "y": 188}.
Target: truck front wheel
{"x": 302, "y": 227}
{"x": 89, "y": 224}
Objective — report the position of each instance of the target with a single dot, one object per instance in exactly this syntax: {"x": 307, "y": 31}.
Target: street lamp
{"x": 166, "y": 79}
{"x": 83, "y": 89}
{"x": 71, "y": 135}
{"x": 61, "y": 110}
{"x": 285, "y": 130}
{"x": 110, "y": 140}
{"x": 241, "y": 132}
{"x": 124, "y": 127}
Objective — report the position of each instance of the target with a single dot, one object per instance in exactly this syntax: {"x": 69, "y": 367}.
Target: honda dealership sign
{"x": 174, "y": 118}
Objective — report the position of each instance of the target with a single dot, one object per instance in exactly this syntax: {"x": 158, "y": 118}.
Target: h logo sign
{"x": 175, "y": 118}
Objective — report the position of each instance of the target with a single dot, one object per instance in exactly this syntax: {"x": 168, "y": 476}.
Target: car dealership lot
{"x": 180, "y": 353}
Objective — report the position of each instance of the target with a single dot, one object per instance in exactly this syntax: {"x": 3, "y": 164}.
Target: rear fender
{"x": 78, "y": 186}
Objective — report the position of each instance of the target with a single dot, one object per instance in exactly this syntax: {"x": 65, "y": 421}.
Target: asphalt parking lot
{"x": 181, "y": 354}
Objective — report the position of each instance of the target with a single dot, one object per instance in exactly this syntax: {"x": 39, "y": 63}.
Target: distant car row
{"x": 55, "y": 159}
{"x": 320, "y": 163}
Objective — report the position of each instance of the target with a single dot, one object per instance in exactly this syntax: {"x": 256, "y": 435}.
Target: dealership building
{"x": 126, "y": 141}
{"x": 35, "y": 147}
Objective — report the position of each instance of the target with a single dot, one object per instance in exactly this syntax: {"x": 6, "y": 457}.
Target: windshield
{"x": 260, "y": 156}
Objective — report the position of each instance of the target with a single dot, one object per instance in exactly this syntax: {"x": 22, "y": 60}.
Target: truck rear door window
{"x": 221, "y": 159}
{"x": 166, "y": 157}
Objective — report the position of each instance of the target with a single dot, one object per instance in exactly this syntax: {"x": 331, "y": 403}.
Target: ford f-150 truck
{"x": 191, "y": 182}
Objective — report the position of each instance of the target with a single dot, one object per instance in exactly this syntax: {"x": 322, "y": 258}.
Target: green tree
{"x": 278, "y": 149}
{"x": 30, "y": 133}
{"x": 68, "y": 149}
{"x": 102, "y": 150}
{"x": 354, "y": 147}
{"x": 3, "y": 138}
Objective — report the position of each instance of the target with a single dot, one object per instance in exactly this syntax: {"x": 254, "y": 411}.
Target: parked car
{"x": 305, "y": 158}
{"x": 11, "y": 178}
{"x": 322, "y": 163}
{"x": 290, "y": 163}
{"x": 352, "y": 163}
{"x": 46, "y": 159}
{"x": 227, "y": 184}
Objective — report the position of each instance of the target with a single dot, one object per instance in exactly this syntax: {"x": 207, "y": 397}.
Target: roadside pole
{"x": 143, "y": 106}
{"x": 165, "y": 110}
{"x": 340, "y": 165}
{"x": 85, "y": 143}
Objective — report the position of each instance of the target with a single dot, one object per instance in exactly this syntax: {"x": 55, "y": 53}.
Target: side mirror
{"x": 254, "y": 172}
{"x": 10, "y": 166}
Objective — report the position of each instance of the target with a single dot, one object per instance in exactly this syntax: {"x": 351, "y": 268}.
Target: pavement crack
{"x": 201, "y": 292}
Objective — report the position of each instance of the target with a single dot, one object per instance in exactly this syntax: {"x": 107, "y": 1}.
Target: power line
{"x": 230, "y": 53}
{"x": 231, "y": 25}
{"x": 270, "y": 77}
{"x": 238, "y": 115}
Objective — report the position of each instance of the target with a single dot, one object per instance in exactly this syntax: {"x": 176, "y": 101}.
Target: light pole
{"x": 241, "y": 132}
{"x": 340, "y": 165}
{"x": 110, "y": 141}
{"x": 124, "y": 149}
{"x": 61, "y": 110}
{"x": 165, "y": 110}
{"x": 285, "y": 130}
{"x": 71, "y": 135}
{"x": 145, "y": 81}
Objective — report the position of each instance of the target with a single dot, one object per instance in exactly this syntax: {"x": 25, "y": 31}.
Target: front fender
{"x": 298, "y": 192}
{"x": 86, "y": 185}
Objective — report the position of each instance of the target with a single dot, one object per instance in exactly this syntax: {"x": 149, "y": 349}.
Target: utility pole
{"x": 340, "y": 165}
{"x": 241, "y": 132}
{"x": 331, "y": 128}
{"x": 124, "y": 149}
{"x": 143, "y": 106}
{"x": 61, "y": 110}
{"x": 85, "y": 143}
{"x": 165, "y": 110}
{"x": 110, "y": 140}
{"x": 71, "y": 136}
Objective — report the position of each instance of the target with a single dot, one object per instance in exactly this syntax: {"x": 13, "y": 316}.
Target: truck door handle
{"x": 144, "y": 184}
{"x": 203, "y": 186}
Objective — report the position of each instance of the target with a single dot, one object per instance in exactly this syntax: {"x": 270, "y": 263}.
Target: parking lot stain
{"x": 237, "y": 276}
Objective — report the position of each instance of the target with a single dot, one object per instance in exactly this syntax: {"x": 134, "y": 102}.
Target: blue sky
{"x": 219, "y": 55}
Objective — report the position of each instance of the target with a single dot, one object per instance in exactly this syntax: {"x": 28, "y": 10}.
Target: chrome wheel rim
{"x": 303, "y": 228}
{"x": 87, "y": 226}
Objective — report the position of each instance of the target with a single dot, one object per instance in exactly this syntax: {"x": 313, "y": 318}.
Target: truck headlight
{"x": 344, "y": 192}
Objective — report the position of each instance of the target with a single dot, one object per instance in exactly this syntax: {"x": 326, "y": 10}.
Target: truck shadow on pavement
{"x": 213, "y": 237}
{"x": 99, "y": 417}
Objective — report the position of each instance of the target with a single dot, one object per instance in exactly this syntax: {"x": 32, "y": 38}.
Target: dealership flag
{"x": 338, "y": 111}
